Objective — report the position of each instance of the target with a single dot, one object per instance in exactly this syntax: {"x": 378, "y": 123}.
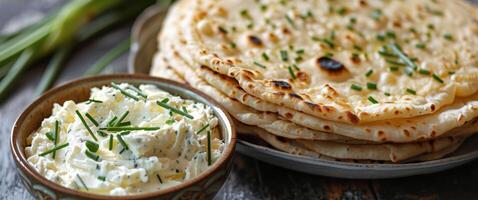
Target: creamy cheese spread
{"x": 125, "y": 140}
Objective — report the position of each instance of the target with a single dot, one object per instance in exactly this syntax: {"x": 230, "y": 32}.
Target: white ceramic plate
{"x": 143, "y": 48}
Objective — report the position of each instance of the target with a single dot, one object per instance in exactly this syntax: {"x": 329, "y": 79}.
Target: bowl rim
{"x": 22, "y": 163}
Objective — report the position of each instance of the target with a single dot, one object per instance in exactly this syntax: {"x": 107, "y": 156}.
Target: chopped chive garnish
{"x": 451, "y": 73}
{"x": 291, "y": 72}
{"x": 110, "y": 146}
{"x": 403, "y": 57}
{"x": 424, "y": 72}
{"x": 371, "y": 86}
{"x": 369, "y": 72}
{"x": 101, "y": 133}
{"x": 265, "y": 56}
{"x": 202, "y": 129}
{"x": 57, "y": 135}
{"x": 123, "y": 116}
{"x": 408, "y": 71}
{"x": 112, "y": 121}
{"x": 50, "y": 136}
{"x": 380, "y": 37}
{"x": 91, "y": 155}
{"x": 284, "y": 56}
{"x": 296, "y": 67}
{"x": 138, "y": 91}
{"x": 394, "y": 68}
{"x": 392, "y": 62}
{"x": 387, "y": 54}
{"x": 86, "y": 125}
{"x": 289, "y": 20}
{"x": 92, "y": 146}
{"x": 233, "y": 45}
{"x": 102, "y": 178}
{"x": 124, "y": 133}
{"x": 123, "y": 124}
{"x": 259, "y": 65}
{"x": 421, "y": 46}
{"x": 93, "y": 101}
{"x": 437, "y": 78}
{"x": 329, "y": 42}
{"x": 170, "y": 121}
{"x": 184, "y": 109}
{"x": 356, "y": 87}
{"x": 122, "y": 142}
{"x": 91, "y": 119}
{"x": 82, "y": 182}
{"x": 373, "y": 100}
{"x": 124, "y": 92}
{"x": 410, "y": 91}
{"x": 300, "y": 51}
{"x": 164, "y": 105}
{"x": 54, "y": 149}
{"x": 448, "y": 36}
{"x": 116, "y": 129}
{"x": 159, "y": 178}
{"x": 209, "y": 148}
{"x": 166, "y": 100}
{"x": 122, "y": 150}
{"x": 386, "y": 94}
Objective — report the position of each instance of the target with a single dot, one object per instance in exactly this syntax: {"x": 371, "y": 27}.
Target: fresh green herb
{"x": 122, "y": 150}
{"x": 289, "y": 20}
{"x": 265, "y": 56}
{"x": 159, "y": 178}
{"x": 410, "y": 91}
{"x": 57, "y": 135}
{"x": 123, "y": 116}
{"x": 342, "y": 11}
{"x": 371, "y": 86}
{"x": 369, "y": 72}
{"x": 424, "y": 71}
{"x": 112, "y": 121}
{"x": 164, "y": 105}
{"x": 259, "y": 65}
{"x": 356, "y": 87}
{"x": 124, "y": 133}
{"x": 54, "y": 149}
{"x": 91, "y": 119}
{"x": 109, "y": 57}
{"x": 291, "y": 72}
{"x": 86, "y": 125}
{"x": 102, "y": 178}
{"x": 434, "y": 12}
{"x": 122, "y": 142}
{"x": 170, "y": 121}
{"x": 394, "y": 62}
{"x": 138, "y": 91}
{"x": 244, "y": 13}
{"x": 448, "y": 36}
{"x": 373, "y": 100}
{"x": 92, "y": 155}
{"x": 394, "y": 68}
{"x": 110, "y": 147}
{"x": 101, "y": 133}
{"x": 123, "y": 124}
{"x": 116, "y": 129}
{"x": 93, "y": 101}
{"x": 82, "y": 182}
{"x": 421, "y": 46}
{"x": 376, "y": 14}
{"x": 124, "y": 92}
{"x": 50, "y": 136}
{"x": 296, "y": 67}
{"x": 202, "y": 129}
{"x": 329, "y": 42}
{"x": 381, "y": 37}
{"x": 403, "y": 57}
{"x": 284, "y": 56}
{"x": 386, "y": 54}
{"x": 92, "y": 146}
{"x": 233, "y": 45}
{"x": 408, "y": 71}
{"x": 300, "y": 51}
{"x": 386, "y": 94}
{"x": 451, "y": 73}
{"x": 209, "y": 160}
{"x": 437, "y": 78}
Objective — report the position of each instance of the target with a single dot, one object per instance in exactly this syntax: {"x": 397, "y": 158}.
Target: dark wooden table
{"x": 250, "y": 178}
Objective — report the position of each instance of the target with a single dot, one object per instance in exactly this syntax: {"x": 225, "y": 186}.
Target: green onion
{"x": 387, "y": 54}
{"x": 50, "y": 136}
{"x": 424, "y": 72}
{"x": 403, "y": 57}
{"x": 101, "y": 133}
{"x": 371, "y": 86}
{"x": 57, "y": 135}
{"x": 202, "y": 129}
{"x": 259, "y": 65}
{"x": 122, "y": 142}
{"x": 159, "y": 178}
{"x": 112, "y": 121}
{"x": 386, "y": 94}
{"x": 82, "y": 182}
{"x": 122, "y": 150}
{"x": 421, "y": 46}
{"x": 91, "y": 119}
{"x": 369, "y": 72}
{"x": 54, "y": 149}
{"x": 289, "y": 20}
{"x": 102, "y": 178}
{"x": 395, "y": 62}
{"x": 394, "y": 68}
{"x": 437, "y": 78}
{"x": 265, "y": 56}
{"x": 373, "y": 100}
{"x": 93, "y": 101}
{"x": 448, "y": 36}
{"x": 284, "y": 56}
{"x": 291, "y": 72}
{"x": 123, "y": 116}
{"x": 110, "y": 147}
{"x": 329, "y": 42}
{"x": 116, "y": 129}
{"x": 137, "y": 90}
{"x": 124, "y": 92}
{"x": 300, "y": 51}
{"x": 92, "y": 146}
{"x": 86, "y": 125}
{"x": 125, "y": 133}
{"x": 92, "y": 155}
{"x": 164, "y": 105}
{"x": 108, "y": 58}
{"x": 356, "y": 87}
{"x": 209, "y": 148}
{"x": 53, "y": 69}
{"x": 123, "y": 124}
{"x": 411, "y": 91}
{"x": 170, "y": 121}
{"x": 16, "y": 70}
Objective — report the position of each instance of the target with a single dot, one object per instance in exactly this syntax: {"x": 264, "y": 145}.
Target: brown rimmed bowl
{"x": 204, "y": 186}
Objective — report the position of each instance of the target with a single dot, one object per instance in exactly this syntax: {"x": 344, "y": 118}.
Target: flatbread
{"x": 322, "y": 85}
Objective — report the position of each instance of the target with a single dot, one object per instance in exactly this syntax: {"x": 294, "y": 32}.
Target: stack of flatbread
{"x": 366, "y": 80}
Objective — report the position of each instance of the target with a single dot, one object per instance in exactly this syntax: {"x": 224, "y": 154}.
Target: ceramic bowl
{"x": 205, "y": 186}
